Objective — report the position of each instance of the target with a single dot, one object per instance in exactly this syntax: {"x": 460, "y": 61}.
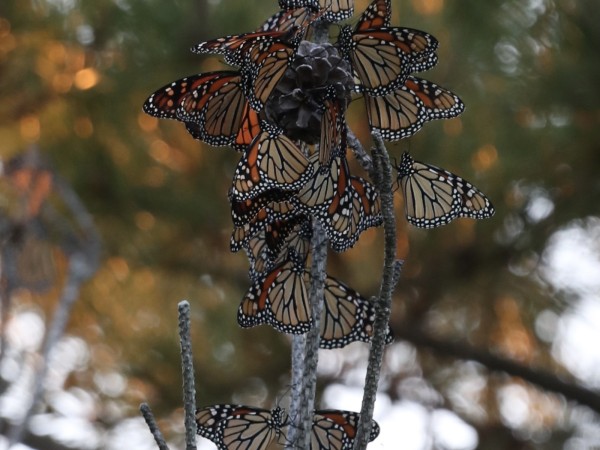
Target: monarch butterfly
{"x": 165, "y": 102}
{"x": 263, "y": 56}
{"x": 382, "y": 57}
{"x": 337, "y": 10}
{"x": 378, "y": 14}
{"x": 243, "y": 211}
{"x": 279, "y": 299}
{"x": 240, "y": 427}
{"x": 434, "y": 196}
{"x": 333, "y": 10}
{"x": 345, "y": 205}
{"x": 234, "y": 47}
{"x": 236, "y": 427}
{"x": 270, "y": 245}
{"x": 272, "y": 161}
{"x": 347, "y": 316}
{"x": 293, "y": 19}
{"x": 333, "y": 127}
{"x": 263, "y": 67}
{"x": 212, "y": 105}
{"x": 402, "y": 112}
{"x": 334, "y": 429}
{"x": 265, "y": 217}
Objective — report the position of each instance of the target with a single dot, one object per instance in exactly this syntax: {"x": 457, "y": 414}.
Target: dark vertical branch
{"x": 298, "y": 349}
{"x": 313, "y": 337}
{"x": 305, "y": 349}
{"x": 187, "y": 367}
{"x": 149, "y": 418}
{"x": 382, "y": 178}
{"x": 302, "y": 415}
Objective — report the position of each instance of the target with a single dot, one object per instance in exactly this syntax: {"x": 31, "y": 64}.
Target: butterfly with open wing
{"x": 279, "y": 299}
{"x": 402, "y": 112}
{"x": 272, "y": 216}
{"x": 235, "y": 47}
{"x": 298, "y": 19}
{"x": 240, "y": 427}
{"x": 270, "y": 245}
{"x": 212, "y": 105}
{"x": 434, "y": 196}
{"x": 347, "y": 316}
{"x": 382, "y": 57}
{"x": 346, "y": 205}
{"x": 272, "y": 161}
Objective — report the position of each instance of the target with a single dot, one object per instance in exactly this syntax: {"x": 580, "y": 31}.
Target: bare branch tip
{"x": 183, "y": 307}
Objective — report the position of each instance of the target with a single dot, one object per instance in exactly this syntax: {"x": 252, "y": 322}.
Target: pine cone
{"x": 296, "y": 104}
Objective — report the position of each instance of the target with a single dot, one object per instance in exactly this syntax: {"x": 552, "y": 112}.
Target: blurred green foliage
{"x": 73, "y": 77}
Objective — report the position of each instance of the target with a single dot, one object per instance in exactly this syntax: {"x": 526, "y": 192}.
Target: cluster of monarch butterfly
{"x": 246, "y": 427}
{"x": 285, "y": 96}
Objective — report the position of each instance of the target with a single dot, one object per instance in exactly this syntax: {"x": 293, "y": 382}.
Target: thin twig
{"x": 361, "y": 155}
{"x": 187, "y": 368}
{"x": 396, "y": 273}
{"x": 149, "y": 418}
{"x": 382, "y": 177}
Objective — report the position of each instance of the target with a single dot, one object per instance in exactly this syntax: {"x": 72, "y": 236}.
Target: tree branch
{"x": 382, "y": 178}
{"x": 300, "y": 435}
{"x": 149, "y": 418}
{"x": 463, "y": 350}
{"x": 82, "y": 246}
{"x": 361, "y": 155}
{"x": 187, "y": 367}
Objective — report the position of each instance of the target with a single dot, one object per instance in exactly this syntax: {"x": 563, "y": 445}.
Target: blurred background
{"x": 523, "y": 286}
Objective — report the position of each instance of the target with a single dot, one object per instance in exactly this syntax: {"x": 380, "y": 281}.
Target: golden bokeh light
{"x": 484, "y": 158}
{"x": 56, "y": 53}
{"x": 154, "y": 177}
{"x": 144, "y": 220}
{"x": 146, "y": 122}
{"x": 83, "y": 127}
{"x": 62, "y": 82}
{"x": 144, "y": 279}
{"x": 4, "y": 27}
{"x": 30, "y": 128}
{"x": 119, "y": 267}
{"x": 402, "y": 245}
{"x": 86, "y": 78}
{"x": 511, "y": 335}
{"x": 8, "y": 41}
{"x": 428, "y": 7}
{"x": 160, "y": 151}
{"x": 452, "y": 128}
